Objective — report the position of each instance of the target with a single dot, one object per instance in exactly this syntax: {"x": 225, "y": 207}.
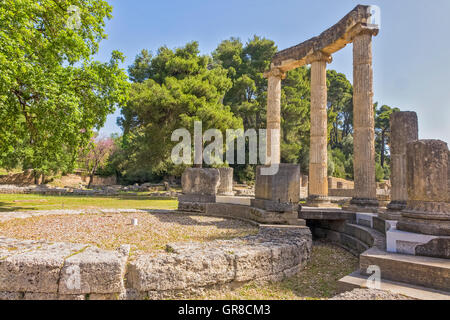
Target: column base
{"x": 274, "y": 206}
{"x": 318, "y": 201}
{"x": 363, "y": 205}
{"x": 390, "y": 215}
{"x": 417, "y": 244}
{"x": 393, "y": 211}
{"x": 396, "y": 205}
{"x": 423, "y": 223}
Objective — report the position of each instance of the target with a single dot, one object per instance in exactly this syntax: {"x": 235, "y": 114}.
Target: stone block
{"x": 180, "y": 271}
{"x": 438, "y": 248}
{"x": 199, "y": 198}
{"x": 200, "y": 181}
{"x": 5, "y": 295}
{"x": 37, "y": 270}
{"x": 282, "y": 187}
{"x": 226, "y": 182}
{"x": 93, "y": 271}
{"x": 253, "y": 263}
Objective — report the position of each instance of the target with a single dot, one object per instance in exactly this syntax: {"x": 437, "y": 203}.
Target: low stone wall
{"x": 237, "y": 211}
{"x": 41, "y": 270}
{"x": 71, "y": 179}
{"x": 275, "y": 253}
{"x": 348, "y": 193}
{"x": 348, "y": 234}
{"x": 339, "y": 183}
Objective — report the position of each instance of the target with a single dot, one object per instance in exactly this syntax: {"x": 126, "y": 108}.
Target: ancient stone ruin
{"x": 406, "y": 244}
{"x": 409, "y": 241}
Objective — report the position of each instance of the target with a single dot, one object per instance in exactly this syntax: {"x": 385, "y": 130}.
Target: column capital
{"x": 276, "y": 73}
{"x": 361, "y": 29}
{"x": 319, "y": 56}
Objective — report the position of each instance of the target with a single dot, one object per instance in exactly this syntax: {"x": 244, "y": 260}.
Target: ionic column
{"x": 318, "y": 177}
{"x": 274, "y": 77}
{"x": 363, "y": 122}
{"x": 404, "y": 129}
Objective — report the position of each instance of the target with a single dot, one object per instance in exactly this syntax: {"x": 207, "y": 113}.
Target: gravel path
{"x": 369, "y": 294}
{"x": 109, "y": 230}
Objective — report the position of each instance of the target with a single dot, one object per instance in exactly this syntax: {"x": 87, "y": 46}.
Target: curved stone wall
{"x": 41, "y": 270}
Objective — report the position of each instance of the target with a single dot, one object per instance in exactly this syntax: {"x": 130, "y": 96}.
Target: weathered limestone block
{"x": 428, "y": 208}
{"x": 274, "y": 253}
{"x": 37, "y": 270}
{"x": 5, "y": 295}
{"x": 437, "y": 248}
{"x": 200, "y": 185}
{"x": 404, "y": 129}
{"x": 200, "y": 181}
{"x": 279, "y": 192}
{"x": 252, "y": 262}
{"x": 228, "y": 210}
{"x": 99, "y": 271}
{"x": 179, "y": 271}
{"x": 40, "y": 296}
{"x": 226, "y": 182}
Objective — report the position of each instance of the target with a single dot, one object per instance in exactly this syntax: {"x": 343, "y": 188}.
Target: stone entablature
{"x": 328, "y": 42}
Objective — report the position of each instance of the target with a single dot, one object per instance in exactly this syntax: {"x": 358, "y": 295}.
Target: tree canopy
{"x": 172, "y": 90}
{"x": 52, "y": 94}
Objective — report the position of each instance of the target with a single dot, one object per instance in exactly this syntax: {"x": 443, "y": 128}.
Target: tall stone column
{"x": 428, "y": 207}
{"x": 318, "y": 157}
{"x": 363, "y": 123}
{"x": 404, "y": 129}
{"x": 274, "y": 77}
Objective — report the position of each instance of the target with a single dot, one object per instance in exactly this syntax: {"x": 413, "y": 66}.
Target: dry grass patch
{"x": 109, "y": 231}
{"x": 318, "y": 280}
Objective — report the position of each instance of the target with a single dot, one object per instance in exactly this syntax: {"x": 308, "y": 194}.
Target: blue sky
{"x": 411, "y": 53}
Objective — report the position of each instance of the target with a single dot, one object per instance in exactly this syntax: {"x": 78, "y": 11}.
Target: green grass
{"x": 25, "y": 202}
{"x": 318, "y": 280}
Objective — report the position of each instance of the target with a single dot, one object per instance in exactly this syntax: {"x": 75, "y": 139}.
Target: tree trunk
{"x": 36, "y": 179}
{"x": 91, "y": 178}
{"x": 91, "y": 175}
{"x": 382, "y": 148}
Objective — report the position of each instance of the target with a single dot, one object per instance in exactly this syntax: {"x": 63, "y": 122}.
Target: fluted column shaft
{"x": 318, "y": 157}
{"x": 363, "y": 121}
{"x": 404, "y": 129}
{"x": 273, "y": 114}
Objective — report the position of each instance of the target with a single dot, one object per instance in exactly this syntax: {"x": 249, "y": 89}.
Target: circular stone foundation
{"x": 207, "y": 252}
{"x": 112, "y": 229}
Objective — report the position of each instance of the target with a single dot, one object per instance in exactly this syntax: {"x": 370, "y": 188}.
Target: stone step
{"x": 350, "y": 243}
{"x": 415, "y": 270}
{"x": 356, "y": 280}
{"x": 369, "y": 236}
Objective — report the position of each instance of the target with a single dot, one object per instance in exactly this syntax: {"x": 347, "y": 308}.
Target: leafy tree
{"x": 182, "y": 86}
{"x": 340, "y": 106}
{"x": 246, "y": 66}
{"x": 95, "y": 155}
{"x": 382, "y": 129}
{"x": 52, "y": 95}
{"x": 140, "y": 69}
{"x": 295, "y": 116}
